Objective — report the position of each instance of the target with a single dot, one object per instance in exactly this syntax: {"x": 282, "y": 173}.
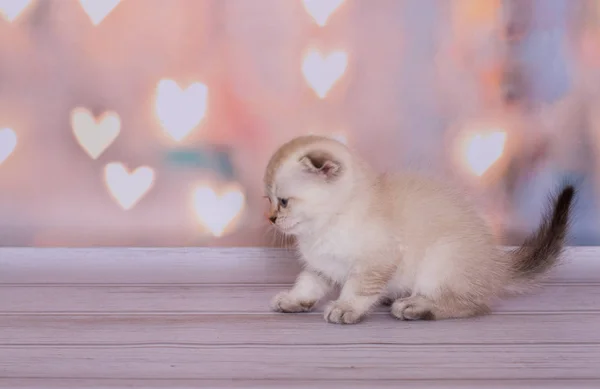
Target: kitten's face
{"x": 302, "y": 191}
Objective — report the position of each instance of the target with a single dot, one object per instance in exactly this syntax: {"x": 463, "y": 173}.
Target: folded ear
{"x": 321, "y": 163}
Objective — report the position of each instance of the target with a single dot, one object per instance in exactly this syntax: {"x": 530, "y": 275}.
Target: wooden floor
{"x": 183, "y": 318}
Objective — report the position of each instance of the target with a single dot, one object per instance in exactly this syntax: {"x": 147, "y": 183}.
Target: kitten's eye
{"x": 283, "y": 202}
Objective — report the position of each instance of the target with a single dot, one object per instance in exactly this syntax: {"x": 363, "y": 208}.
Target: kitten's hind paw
{"x": 341, "y": 313}
{"x": 285, "y": 302}
{"x": 412, "y": 308}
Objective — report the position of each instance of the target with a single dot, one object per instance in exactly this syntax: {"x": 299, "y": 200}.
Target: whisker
{"x": 274, "y": 236}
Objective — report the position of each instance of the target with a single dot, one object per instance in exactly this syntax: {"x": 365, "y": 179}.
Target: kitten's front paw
{"x": 341, "y": 313}
{"x": 284, "y": 302}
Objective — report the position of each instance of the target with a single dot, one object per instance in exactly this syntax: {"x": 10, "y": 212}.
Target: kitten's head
{"x": 307, "y": 180}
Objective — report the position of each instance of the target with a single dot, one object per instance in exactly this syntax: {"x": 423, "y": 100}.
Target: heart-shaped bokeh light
{"x": 217, "y": 211}
{"x": 11, "y": 9}
{"x": 94, "y": 135}
{"x": 482, "y": 150}
{"x": 321, "y": 10}
{"x": 8, "y": 142}
{"x": 127, "y": 188}
{"x": 180, "y": 110}
{"x": 322, "y": 72}
{"x": 97, "y": 10}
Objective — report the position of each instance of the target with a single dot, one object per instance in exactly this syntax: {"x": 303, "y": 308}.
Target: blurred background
{"x": 149, "y": 122}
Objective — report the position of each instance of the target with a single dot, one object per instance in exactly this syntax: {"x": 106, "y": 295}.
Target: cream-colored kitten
{"x": 402, "y": 238}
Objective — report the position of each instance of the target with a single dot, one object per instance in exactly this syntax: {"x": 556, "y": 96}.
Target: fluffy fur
{"x": 404, "y": 239}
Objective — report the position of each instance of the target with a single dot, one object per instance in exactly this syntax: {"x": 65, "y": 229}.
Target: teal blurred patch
{"x": 217, "y": 160}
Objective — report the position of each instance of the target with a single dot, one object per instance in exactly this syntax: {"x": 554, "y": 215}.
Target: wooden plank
{"x": 196, "y": 266}
{"x": 251, "y": 298}
{"x": 134, "y": 326}
{"x": 288, "y": 329}
{"x": 326, "y": 362}
{"x": 97, "y": 383}
{"x": 147, "y": 266}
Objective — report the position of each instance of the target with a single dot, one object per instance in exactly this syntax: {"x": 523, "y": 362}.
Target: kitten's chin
{"x": 291, "y": 229}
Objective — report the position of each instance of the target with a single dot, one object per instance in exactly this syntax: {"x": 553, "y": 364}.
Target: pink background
{"x": 418, "y": 73}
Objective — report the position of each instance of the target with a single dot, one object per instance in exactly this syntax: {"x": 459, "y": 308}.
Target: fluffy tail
{"x": 542, "y": 249}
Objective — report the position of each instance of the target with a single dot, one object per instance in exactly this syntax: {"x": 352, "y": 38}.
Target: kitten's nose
{"x": 273, "y": 219}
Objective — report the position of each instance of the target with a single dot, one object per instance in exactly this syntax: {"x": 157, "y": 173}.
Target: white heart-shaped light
{"x": 320, "y": 10}
{"x": 95, "y": 135}
{"x": 180, "y": 110}
{"x": 481, "y": 151}
{"x": 125, "y": 187}
{"x": 321, "y": 73}
{"x": 97, "y": 10}
{"x": 8, "y": 142}
{"x": 11, "y": 9}
{"x": 216, "y": 212}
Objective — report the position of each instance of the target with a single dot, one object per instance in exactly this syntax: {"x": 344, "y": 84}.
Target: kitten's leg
{"x": 423, "y": 308}
{"x": 362, "y": 290}
{"x": 309, "y": 288}
{"x": 388, "y": 297}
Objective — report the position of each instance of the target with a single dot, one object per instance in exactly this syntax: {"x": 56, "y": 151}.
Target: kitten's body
{"x": 402, "y": 237}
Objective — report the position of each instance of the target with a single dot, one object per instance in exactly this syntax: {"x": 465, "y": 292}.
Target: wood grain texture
{"x": 183, "y": 318}
{"x": 319, "y": 361}
{"x": 101, "y": 383}
{"x": 196, "y": 266}
{"x": 253, "y": 298}
{"x": 290, "y": 330}
{"x": 147, "y": 266}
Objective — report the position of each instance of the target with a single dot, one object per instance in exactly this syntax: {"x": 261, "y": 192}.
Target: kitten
{"x": 404, "y": 238}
